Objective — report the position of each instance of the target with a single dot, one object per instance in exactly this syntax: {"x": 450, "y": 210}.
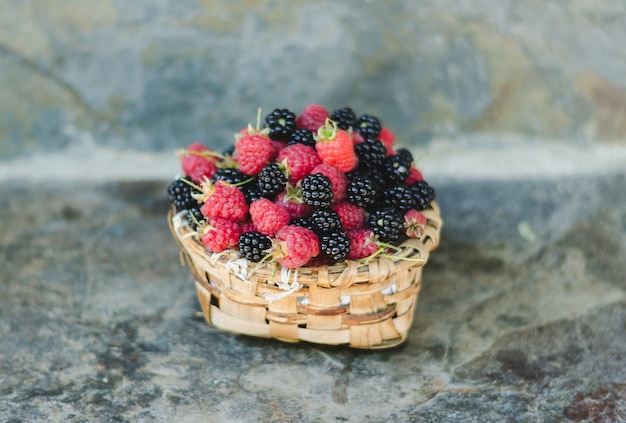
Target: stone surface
{"x": 521, "y": 317}
{"x": 153, "y": 74}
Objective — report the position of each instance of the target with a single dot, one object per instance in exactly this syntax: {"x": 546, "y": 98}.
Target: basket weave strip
{"x": 359, "y": 304}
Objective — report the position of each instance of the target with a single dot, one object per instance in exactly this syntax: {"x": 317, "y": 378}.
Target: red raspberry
{"x": 414, "y": 223}
{"x": 221, "y": 234}
{"x": 298, "y": 246}
{"x": 351, "y": 216}
{"x": 247, "y": 226}
{"x": 292, "y": 201}
{"x": 268, "y": 217}
{"x": 198, "y": 164}
{"x": 334, "y": 146}
{"x": 299, "y": 160}
{"x": 414, "y": 176}
{"x": 387, "y": 137}
{"x": 279, "y": 145}
{"x": 224, "y": 201}
{"x": 362, "y": 243}
{"x": 253, "y": 153}
{"x": 338, "y": 180}
{"x": 312, "y": 117}
{"x": 357, "y": 138}
{"x": 319, "y": 261}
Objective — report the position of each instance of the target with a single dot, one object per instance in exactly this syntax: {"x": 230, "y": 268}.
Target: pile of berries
{"x": 304, "y": 190}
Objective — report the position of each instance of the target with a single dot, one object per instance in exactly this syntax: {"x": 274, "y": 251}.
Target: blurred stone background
{"x": 157, "y": 74}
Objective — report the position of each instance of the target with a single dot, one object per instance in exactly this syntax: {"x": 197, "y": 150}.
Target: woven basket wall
{"x": 361, "y": 305}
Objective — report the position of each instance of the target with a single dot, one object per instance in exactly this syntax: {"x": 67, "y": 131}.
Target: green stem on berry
{"x": 328, "y": 132}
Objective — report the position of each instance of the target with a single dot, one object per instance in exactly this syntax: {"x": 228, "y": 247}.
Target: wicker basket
{"x": 361, "y": 305}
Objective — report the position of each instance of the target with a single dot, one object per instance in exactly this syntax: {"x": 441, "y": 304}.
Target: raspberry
{"x": 357, "y": 138}
{"x": 351, "y": 216}
{"x": 317, "y": 190}
{"x": 299, "y": 160}
{"x": 253, "y": 153}
{"x": 254, "y": 246}
{"x": 368, "y": 126}
{"x": 414, "y": 176}
{"x": 414, "y": 223}
{"x": 312, "y": 117}
{"x": 298, "y": 245}
{"x": 224, "y": 201}
{"x": 338, "y": 180}
{"x": 344, "y": 118}
{"x": 198, "y": 162}
{"x": 387, "y": 137}
{"x": 335, "y": 244}
{"x": 362, "y": 243}
{"x": 270, "y": 181}
{"x": 268, "y": 217}
{"x": 334, "y": 146}
{"x": 221, "y": 234}
{"x": 388, "y": 225}
{"x": 281, "y": 123}
{"x": 291, "y": 199}
{"x": 247, "y": 226}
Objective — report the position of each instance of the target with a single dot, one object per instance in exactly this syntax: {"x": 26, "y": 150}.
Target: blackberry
{"x": 362, "y": 192}
{"x": 302, "y": 136}
{"x": 388, "y": 225}
{"x": 180, "y": 192}
{"x": 423, "y": 194}
{"x": 251, "y": 193}
{"x": 398, "y": 197}
{"x": 195, "y": 218}
{"x": 380, "y": 177}
{"x": 368, "y": 126}
{"x": 335, "y": 244}
{"x": 325, "y": 220}
{"x": 344, "y": 118}
{"x": 304, "y": 223}
{"x": 281, "y": 123}
{"x": 230, "y": 175}
{"x": 270, "y": 181}
{"x": 254, "y": 245}
{"x": 371, "y": 154}
{"x": 317, "y": 191}
{"x": 229, "y": 151}
{"x": 397, "y": 169}
{"x": 405, "y": 155}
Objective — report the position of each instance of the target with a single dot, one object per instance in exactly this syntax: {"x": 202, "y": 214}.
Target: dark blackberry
{"x": 368, "y": 126}
{"x": 371, "y": 154}
{"x": 281, "y": 123}
{"x": 405, "y": 155}
{"x": 335, "y": 244}
{"x": 229, "y": 151}
{"x": 362, "y": 192}
{"x": 317, "y": 191}
{"x": 195, "y": 217}
{"x": 397, "y": 169}
{"x": 344, "y": 118}
{"x": 325, "y": 220}
{"x": 388, "y": 225}
{"x": 423, "y": 194}
{"x": 254, "y": 245}
{"x": 304, "y": 223}
{"x": 180, "y": 192}
{"x": 380, "y": 177}
{"x": 270, "y": 181}
{"x": 251, "y": 192}
{"x": 302, "y": 136}
{"x": 398, "y": 197}
{"x": 230, "y": 175}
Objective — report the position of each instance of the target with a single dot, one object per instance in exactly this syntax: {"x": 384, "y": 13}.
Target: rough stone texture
{"x": 153, "y": 74}
{"x": 521, "y": 317}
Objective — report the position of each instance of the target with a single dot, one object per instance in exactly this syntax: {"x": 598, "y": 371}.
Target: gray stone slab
{"x": 521, "y": 317}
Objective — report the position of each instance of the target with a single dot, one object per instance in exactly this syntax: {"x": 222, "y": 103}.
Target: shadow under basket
{"x": 358, "y": 304}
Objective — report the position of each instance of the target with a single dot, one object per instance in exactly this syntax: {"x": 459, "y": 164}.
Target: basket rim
{"x": 414, "y": 252}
